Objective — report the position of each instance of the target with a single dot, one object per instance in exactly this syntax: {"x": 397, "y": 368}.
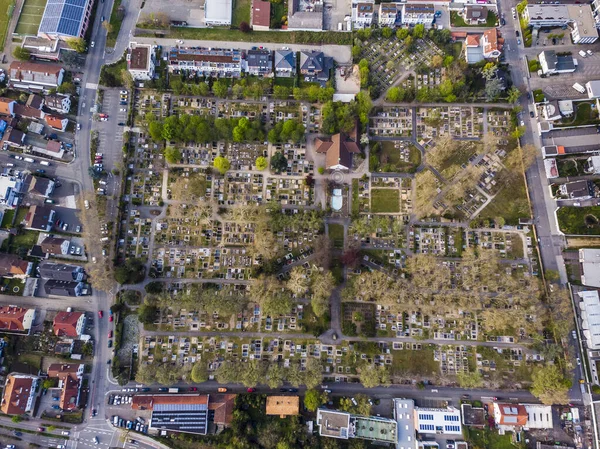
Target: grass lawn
{"x": 336, "y": 234}
{"x": 8, "y": 7}
{"x": 418, "y": 362}
{"x": 285, "y": 82}
{"x": 7, "y": 218}
{"x": 241, "y": 13}
{"x": 385, "y": 200}
{"x": 510, "y": 203}
{"x": 278, "y": 12}
{"x": 30, "y": 359}
{"x": 585, "y": 115}
{"x": 390, "y": 158}
{"x": 29, "y": 20}
{"x": 489, "y": 438}
{"x": 579, "y": 220}
{"x": 116, "y": 20}
{"x": 14, "y": 287}
{"x": 458, "y": 21}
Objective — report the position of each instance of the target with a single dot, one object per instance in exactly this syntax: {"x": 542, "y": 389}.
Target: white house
{"x": 590, "y": 317}
{"x": 58, "y": 103}
{"x": 362, "y": 13}
{"x": 388, "y": 14}
{"x": 552, "y": 64}
{"x": 217, "y": 12}
{"x": 415, "y": 13}
{"x": 140, "y": 61}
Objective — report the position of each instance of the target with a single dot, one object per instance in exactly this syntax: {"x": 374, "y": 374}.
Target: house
{"x": 417, "y": 13}
{"x": 478, "y": 47}
{"x": 472, "y": 49}
{"x": 64, "y": 288}
{"x": 362, "y": 13}
{"x": 475, "y": 14}
{"x": 578, "y": 190}
{"x": 12, "y": 266}
{"x": 333, "y": 424}
{"x": 35, "y": 101}
{"x": 69, "y": 381}
{"x": 14, "y": 138}
{"x": 16, "y": 319}
{"x": 550, "y": 111}
{"x": 7, "y": 106}
{"x": 65, "y": 19}
{"x": 590, "y": 310}
{"x": 538, "y": 416}
{"x": 217, "y": 12}
{"x": 221, "y": 408}
{"x": 343, "y": 425}
{"x": 10, "y": 189}
{"x": 315, "y": 66}
{"x": 510, "y": 417}
{"x": 35, "y": 75}
{"x": 593, "y": 89}
{"x": 285, "y": 63}
{"x": 19, "y": 394}
{"x": 37, "y": 186}
{"x": 55, "y": 246}
{"x": 61, "y": 272}
{"x": 58, "y": 103}
{"x": 303, "y": 17}
{"x": 40, "y": 218}
{"x": 388, "y": 14}
{"x": 69, "y": 324}
{"x": 259, "y": 62}
{"x": 553, "y": 65}
{"x": 204, "y": 61}
{"x": 579, "y": 18}
{"x": 583, "y": 24}
{"x": 592, "y": 165}
{"x": 438, "y": 421}
{"x": 140, "y": 61}
{"x": 283, "y": 406}
{"x": 261, "y": 15}
{"x": 26, "y": 111}
{"x": 546, "y": 15}
{"x": 338, "y": 150}
{"x": 57, "y": 122}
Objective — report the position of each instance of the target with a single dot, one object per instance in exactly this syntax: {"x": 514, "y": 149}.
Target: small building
{"x": 40, "y": 218}
{"x": 577, "y": 190}
{"x": 14, "y": 138}
{"x": 7, "y": 106}
{"x": 285, "y": 63}
{"x": 405, "y": 419}
{"x": 10, "y": 189}
{"x": 140, "y": 61}
{"x": 388, "y": 14}
{"x": 16, "y": 319}
{"x": 61, "y": 272}
{"x": 261, "y": 15}
{"x": 362, "y": 13}
{"x": 19, "y": 394}
{"x": 36, "y": 101}
{"x": 552, "y": 64}
{"x": 343, "y": 425}
{"x": 550, "y": 111}
{"x": 283, "y": 406}
{"x": 338, "y": 149}
{"x": 337, "y": 201}
{"x": 31, "y": 112}
{"x": 57, "y": 122}
{"x": 510, "y": 417}
{"x": 259, "y": 62}
{"x": 475, "y": 14}
{"x": 302, "y": 17}
{"x": 590, "y": 313}
{"x": 38, "y": 186}
{"x": 64, "y": 288}
{"x": 217, "y": 12}
{"x": 445, "y": 421}
{"x": 58, "y": 103}
{"x": 69, "y": 324}
{"x": 417, "y": 13}
{"x": 593, "y": 89}
{"x": 69, "y": 381}
{"x": 333, "y": 424}
{"x": 589, "y": 260}
{"x": 592, "y": 165}
{"x": 538, "y": 416}
{"x": 12, "y": 266}
{"x": 55, "y": 246}
{"x": 35, "y": 75}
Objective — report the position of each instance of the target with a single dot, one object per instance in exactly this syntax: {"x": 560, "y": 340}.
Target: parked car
{"x": 222, "y": 390}
{"x": 110, "y": 343}
{"x": 251, "y": 390}
{"x": 100, "y": 313}
{"x": 110, "y": 334}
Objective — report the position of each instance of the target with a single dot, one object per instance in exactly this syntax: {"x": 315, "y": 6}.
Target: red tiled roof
{"x": 11, "y": 318}
{"x": 16, "y": 394}
{"x": 512, "y": 415}
{"x": 5, "y": 105}
{"x": 261, "y": 13}
{"x": 54, "y": 121}
{"x": 222, "y": 405}
{"x": 65, "y": 324}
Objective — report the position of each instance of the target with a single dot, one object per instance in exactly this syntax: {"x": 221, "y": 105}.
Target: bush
{"x": 154, "y": 288}
{"x": 131, "y": 272}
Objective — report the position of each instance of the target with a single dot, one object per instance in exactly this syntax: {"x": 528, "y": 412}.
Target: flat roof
{"x": 590, "y": 314}
{"x": 582, "y": 16}
{"x": 375, "y": 428}
{"x": 139, "y": 58}
{"x": 574, "y": 141}
{"x": 405, "y": 417}
{"x": 63, "y": 17}
{"x": 333, "y": 423}
{"x": 548, "y": 12}
{"x": 217, "y": 11}
{"x": 190, "y": 418}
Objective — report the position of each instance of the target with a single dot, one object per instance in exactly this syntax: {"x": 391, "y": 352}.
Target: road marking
{"x": 92, "y": 86}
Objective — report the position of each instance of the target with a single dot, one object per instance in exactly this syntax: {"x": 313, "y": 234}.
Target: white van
{"x": 579, "y": 88}
{"x": 582, "y": 53}
{"x": 28, "y": 159}
{"x": 46, "y": 163}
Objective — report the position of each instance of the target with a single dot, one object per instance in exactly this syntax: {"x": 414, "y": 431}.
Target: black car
{"x": 531, "y": 114}
{"x": 121, "y": 124}
{"x": 517, "y": 33}
{"x": 529, "y": 95}
{"x": 502, "y": 22}
{"x": 293, "y": 390}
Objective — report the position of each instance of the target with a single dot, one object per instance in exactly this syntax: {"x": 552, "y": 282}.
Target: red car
{"x": 109, "y": 334}
{"x": 251, "y": 390}
{"x": 110, "y": 318}
{"x": 100, "y": 313}
{"x": 193, "y": 389}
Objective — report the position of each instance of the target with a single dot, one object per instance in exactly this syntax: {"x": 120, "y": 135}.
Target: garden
{"x": 579, "y": 220}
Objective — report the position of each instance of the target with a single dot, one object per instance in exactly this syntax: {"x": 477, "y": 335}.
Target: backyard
{"x": 579, "y": 220}
{"x": 586, "y": 114}
{"x": 385, "y": 201}
{"x": 457, "y": 20}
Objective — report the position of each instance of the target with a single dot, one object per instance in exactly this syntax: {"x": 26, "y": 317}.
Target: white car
{"x": 96, "y": 440}
{"x": 66, "y": 432}
{"x": 123, "y": 92}
{"x": 78, "y": 126}
{"x": 123, "y": 110}
{"x": 589, "y": 52}
{"x": 92, "y": 45}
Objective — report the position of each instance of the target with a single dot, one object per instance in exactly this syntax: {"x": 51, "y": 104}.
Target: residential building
{"x": 315, "y": 66}
{"x": 175, "y": 413}
{"x": 510, "y": 417}
{"x": 472, "y": 49}
{"x": 417, "y": 13}
{"x": 36, "y": 101}
{"x": 259, "y": 62}
{"x": 140, "y": 61}
{"x": 261, "y": 15}
{"x": 285, "y": 63}
{"x": 40, "y": 218}
{"x": 58, "y": 103}
{"x": 589, "y": 259}
{"x": 579, "y": 18}
{"x": 14, "y": 138}
{"x": 305, "y": 18}
{"x": 592, "y": 165}
{"x": 475, "y": 14}
{"x": 362, "y": 13}
{"x": 283, "y": 406}
{"x": 590, "y": 312}
{"x": 35, "y": 75}
{"x": 343, "y": 425}
{"x": 55, "y": 246}
{"x": 19, "y": 394}
{"x": 333, "y": 424}
{"x": 7, "y": 106}
{"x": 438, "y": 420}
{"x": 217, "y": 12}
{"x": 546, "y": 15}
{"x": 69, "y": 381}
{"x": 16, "y": 319}
{"x": 12, "y": 266}
{"x": 405, "y": 419}
{"x": 338, "y": 150}
{"x": 69, "y": 324}
{"x": 220, "y": 407}
{"x": 10, "y": 188}
{"x": 27, "y": 111}
{"x": 61, "y": 272}
{"x": 583, "y": 24}
{"x": 57, "y": 122}
{"x": 578, "y": 190}
{"x": 388, "y": 14}
{"x": 38, "y": 186}
{"x": 488, "y": 45}
{"x": 593, "y": 89}
{"x": 208, "y": 62}
{"x": 553, "y": 65}
{"x": 64, "y": 288}
{"x": 538, "y": 416}
{"x": 550, "y": 111}
{"x": 64, "y": 19}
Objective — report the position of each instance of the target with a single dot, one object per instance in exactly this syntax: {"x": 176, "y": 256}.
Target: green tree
{"x": 147, "y": 313}
{"x": 172, "y": 155}
{"x": 67, "y": 88}
{"x": 469, "y": 380}
{"x": 261, "y": 163}
{"x": 313, "y": 399}
{"x": 550, "y": 385}
{"x": 222, "y": 164}
{"x": 395, "y": 94}
{"x": 278, "y": 162}
{"x": 419, "y": 31}
{"x": 21, "y": 53}
{"x": 220, "y": 89}
{"x": 78, "y": 44}
{"x": 16, "y": 419}
{"x": 402, "y": 33}
{"x": 387, "y": 32}
{"x": 356, "y": 51}
{"x": 514, "y": 94}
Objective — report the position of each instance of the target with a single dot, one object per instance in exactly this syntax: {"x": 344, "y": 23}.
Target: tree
{"x": 146, "y": 373}
{"x": 298, "y": 282}
{"x": 313, "y": 399}
{"x": 222, "y": 164}
{"x": 419, "y": 31}
{"x": 275, "y": 375}
{"x": 261, "y": 163}
{"x": 278, "y": 162}
{"x": 387, "y": 32}
{"x": 372, "y": 376}
{"x": 199, "y": 372}
{"x": 172, "y": 155}
{"x": 78, "y": 44}
{"x": 244, "y": 27}
{"x": 513, "y": 94}
{"x": 356, "y": 51}
{"x": 402, "y": 33}
{"x": 395, "y": 94}
{"x": 67, "y": 88}
{"x": 469, "y": 380}
{"x": 362, "y": 407}
{"x": 550, "y": 385}
{"x": 147, "y": 313}
{"x": 107, "y": 26}
{"x": 21, "y": 53}
{"x": 220, "y": 89}
{"x": 437, "y": 61}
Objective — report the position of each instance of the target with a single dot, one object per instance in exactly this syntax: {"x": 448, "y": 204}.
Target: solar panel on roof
{"x": 63, "y": 17}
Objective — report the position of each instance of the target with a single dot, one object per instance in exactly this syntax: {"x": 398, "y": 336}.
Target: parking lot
{"x": 179, "y": 10}
{"x": 334, "y": 13}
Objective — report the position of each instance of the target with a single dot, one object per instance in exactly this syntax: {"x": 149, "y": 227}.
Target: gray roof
{"x": 62, "y": 288}
{"x": 60, "y": 272}
{"x": 312, "y": 60}
{"x": 259, "y": 58}
{"x": 64, "y": 17}
{"x": 285, "y": 59}
{"x": 565, "y": 63}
